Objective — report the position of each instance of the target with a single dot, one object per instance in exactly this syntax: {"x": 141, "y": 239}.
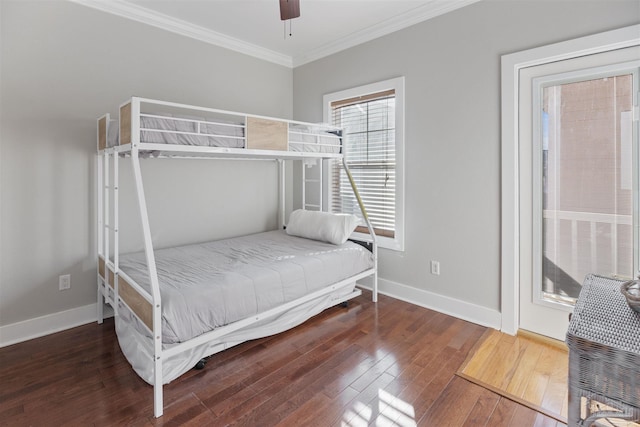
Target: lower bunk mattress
{"x": 210, "y": 285}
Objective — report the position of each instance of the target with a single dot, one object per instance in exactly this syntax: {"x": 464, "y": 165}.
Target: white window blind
{"x": 368, "y": 124}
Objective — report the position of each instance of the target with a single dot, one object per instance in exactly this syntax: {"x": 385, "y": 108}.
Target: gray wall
{"x": 63, "y": 65}
{"x": 452, "y": 69}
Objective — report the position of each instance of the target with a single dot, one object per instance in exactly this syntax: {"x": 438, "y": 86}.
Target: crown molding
{"x": 399, "y": 22}
{"x": 140, "y": 14}
{"x": 159, "y": 20}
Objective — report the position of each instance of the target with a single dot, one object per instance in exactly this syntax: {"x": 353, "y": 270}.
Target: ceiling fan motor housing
{"x": 289, "y": 9}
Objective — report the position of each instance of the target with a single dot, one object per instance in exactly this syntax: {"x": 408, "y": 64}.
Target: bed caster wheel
{"x": 344, "y": 304}
{"x": 200, "y": 364}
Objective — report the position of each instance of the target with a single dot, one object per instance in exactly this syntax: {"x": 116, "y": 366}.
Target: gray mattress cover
{"x": 167, "y": 130}
{"x": 208, "y": 285}
{"x": 228, "y": 135}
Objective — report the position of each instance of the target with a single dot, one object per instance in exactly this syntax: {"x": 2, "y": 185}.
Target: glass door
{"x": 578, "y": 182}
{"x": 584, "y": 133}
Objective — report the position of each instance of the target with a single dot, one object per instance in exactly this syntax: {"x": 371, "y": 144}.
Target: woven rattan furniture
{"x": 604, "y": 355}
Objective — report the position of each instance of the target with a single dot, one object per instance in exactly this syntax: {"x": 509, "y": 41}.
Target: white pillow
{"x": 323, "y": 226}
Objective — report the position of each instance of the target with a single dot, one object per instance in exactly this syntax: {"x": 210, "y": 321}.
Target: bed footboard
{"x": 125, "y": 292}
{"x": 136, "y": 302}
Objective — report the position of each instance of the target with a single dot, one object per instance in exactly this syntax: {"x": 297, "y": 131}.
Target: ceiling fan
{"x": 289, "y": 9}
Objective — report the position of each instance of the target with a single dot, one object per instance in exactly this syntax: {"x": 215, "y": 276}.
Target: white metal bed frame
{"x": 116, "y": 287}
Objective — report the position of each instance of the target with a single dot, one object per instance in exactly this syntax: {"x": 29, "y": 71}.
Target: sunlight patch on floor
{"x": 389, "y": 411}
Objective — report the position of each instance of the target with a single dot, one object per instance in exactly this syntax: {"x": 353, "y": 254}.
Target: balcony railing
{"x": 567, "y": 277}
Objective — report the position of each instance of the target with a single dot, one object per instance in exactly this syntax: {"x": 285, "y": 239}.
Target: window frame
{"x": 397, "y": 84}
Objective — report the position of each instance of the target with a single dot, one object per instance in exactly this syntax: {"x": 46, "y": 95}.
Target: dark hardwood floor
{"x": 387, "y": 364}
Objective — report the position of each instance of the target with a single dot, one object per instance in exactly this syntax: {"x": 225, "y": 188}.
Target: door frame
{"x": 510, "y": 70}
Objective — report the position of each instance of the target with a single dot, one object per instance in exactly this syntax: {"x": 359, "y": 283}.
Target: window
{"x": 372, "y": 119}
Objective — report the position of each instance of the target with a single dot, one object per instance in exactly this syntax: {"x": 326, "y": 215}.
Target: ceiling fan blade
{"x": 289, "y": 9}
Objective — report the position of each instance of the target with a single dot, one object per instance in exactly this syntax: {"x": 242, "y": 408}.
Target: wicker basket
{"x": 631, "y": 291}
{"x": 604, "y": 354}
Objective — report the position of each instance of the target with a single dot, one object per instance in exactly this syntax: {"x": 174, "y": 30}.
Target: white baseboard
{"x": 56, "y": 322}
{"x": 443, "y": 304}
{"x": 49, "y": 324}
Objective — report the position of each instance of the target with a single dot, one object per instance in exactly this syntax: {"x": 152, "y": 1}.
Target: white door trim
{"x": 511, "y": 66}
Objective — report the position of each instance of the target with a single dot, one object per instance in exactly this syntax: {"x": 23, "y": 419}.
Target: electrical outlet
{"x": 435, "y": 267}
{"x": 64, "y": 282}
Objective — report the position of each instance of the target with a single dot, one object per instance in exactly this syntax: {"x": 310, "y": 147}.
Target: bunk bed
{"x": 175, "y": 306}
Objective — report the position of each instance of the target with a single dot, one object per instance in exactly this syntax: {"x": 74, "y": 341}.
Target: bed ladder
{"x": 107, "y": 193}
{"x": 312, "y": 173}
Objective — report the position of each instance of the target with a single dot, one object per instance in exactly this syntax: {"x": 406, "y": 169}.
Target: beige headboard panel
{"x": 102, "y": 133}
{"x": 265, "y": 134}
{"x": 125, "y": 124}
{"x": 136, "y": 302}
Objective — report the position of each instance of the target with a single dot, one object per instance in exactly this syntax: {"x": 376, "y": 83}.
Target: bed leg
{"x": 157, "y": 388}
{"x": 100, "y": 306}
{"x": 344, "y": 304}
{"x": 374, "y": 294}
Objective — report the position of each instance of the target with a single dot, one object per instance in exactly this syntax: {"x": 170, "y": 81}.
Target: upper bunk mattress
{"x": 182, "y": 130}
{"x": 165, "y": 129}
{"x": 209, "y": 285}
{"x": 185, "y": 131}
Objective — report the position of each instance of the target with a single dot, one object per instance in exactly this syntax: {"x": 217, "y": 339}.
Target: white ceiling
{"x": 254, "y": 26}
